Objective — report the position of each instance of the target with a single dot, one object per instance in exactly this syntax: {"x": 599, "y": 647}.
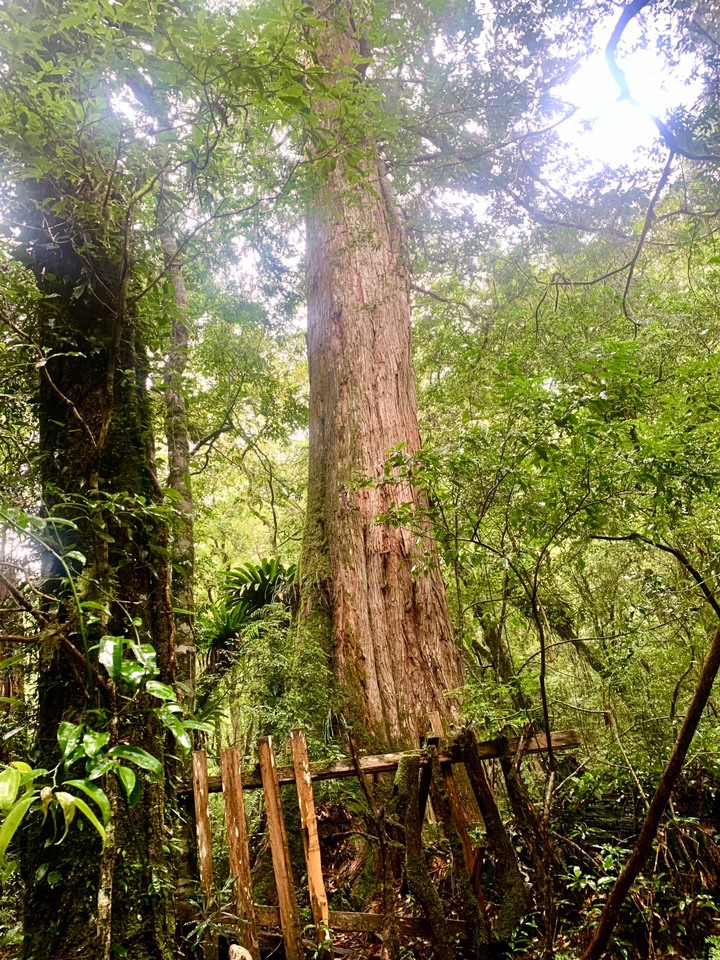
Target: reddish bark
{"x": 375, "y": 588}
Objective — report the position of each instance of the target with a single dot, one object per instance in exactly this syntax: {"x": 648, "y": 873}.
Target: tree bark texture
{"x": 97, "y": 470}
{"x": 178, "y": 442}
{"x": 372, "y": 591}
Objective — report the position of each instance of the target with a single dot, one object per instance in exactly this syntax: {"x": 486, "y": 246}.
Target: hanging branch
{"x": 649, "y": 218}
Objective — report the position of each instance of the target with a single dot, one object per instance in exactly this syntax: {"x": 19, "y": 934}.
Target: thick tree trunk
{"x": 372, "y": 590}
{"x": 97, "y": 469}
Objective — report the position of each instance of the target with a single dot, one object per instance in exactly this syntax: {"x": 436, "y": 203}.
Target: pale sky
{"x": 618, "y": 129}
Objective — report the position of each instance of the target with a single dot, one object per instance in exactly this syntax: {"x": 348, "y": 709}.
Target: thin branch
{"x": 22, "y": 602}
{"x": 678, "y": 554}
{"x": 440, "y": 299}
{"x": 41, "y": 365}
{"x": 649, "y": 217}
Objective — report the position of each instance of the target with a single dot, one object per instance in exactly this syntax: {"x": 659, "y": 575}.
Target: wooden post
{"x": 311, "y": 841}
{"x": 289, "y": 914}
{"x": 459, "y": 817}
{"x": 202, "y": 821}
{"x": 456, "y": 807}
{"x": 239, "y": 851}
{"x": 425, "y": 780}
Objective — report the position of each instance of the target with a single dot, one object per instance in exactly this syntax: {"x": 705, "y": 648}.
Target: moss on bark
{"x": 416, "y": 871}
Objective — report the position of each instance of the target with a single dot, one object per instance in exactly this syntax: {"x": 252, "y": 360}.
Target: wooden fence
{"x": 269, "y": 778}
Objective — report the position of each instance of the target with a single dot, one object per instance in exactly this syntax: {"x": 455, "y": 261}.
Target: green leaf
{"x": 127, "y": 778}
{"x": 11, "y": 661}
{"x": 87, "y": 812}
{"x": 67, "y": 803}
{"x": 9, "y": 785}
{"x": 75, "y": 555}
{"x": 132, "y": 673}
{"x": 161, "y": 690}
{"x": 111, "y": 655}
{"x": 202, "y": 725}
{"x": 138, "y": 756}
{"x": 145, "y": 654}
{"x": 61, "y": 521}
{"x": 95, "y": 793}
{"x": 69, "y": 737}
{"x": 94, "y": 605}
{"x": 175, "y": 726}
{"x": 13, "y": 820}
{"x": 94, "y": 741}
{"x": 99, "y": 767}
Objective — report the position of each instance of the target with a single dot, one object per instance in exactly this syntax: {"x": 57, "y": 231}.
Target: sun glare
{"x": 611, "y": 131}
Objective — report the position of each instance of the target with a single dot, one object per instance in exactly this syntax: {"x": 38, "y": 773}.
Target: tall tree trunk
{"x": 178, "y": 443}
{"x": 97, "y": 470}
{"x": 372, "y": 590}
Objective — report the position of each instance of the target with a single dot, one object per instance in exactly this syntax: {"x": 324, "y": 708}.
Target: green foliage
{"x": 256, "y": 585}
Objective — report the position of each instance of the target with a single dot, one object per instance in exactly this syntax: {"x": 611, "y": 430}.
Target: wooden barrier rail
{"x": 250, "y": 917}
{"x": 388, "y": 762}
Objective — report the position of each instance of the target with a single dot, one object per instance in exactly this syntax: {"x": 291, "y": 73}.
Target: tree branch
{"x": 649, "y": 217}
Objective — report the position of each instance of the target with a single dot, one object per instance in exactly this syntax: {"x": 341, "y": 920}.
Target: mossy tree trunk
{"x": 177, "y": 435}
{"x": 372, "y": 591}
{"x": 96, "y": 470}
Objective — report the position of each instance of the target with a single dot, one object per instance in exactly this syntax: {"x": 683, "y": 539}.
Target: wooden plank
{"x": 311, "y": 841}
{"x": 239, "y": 851}
{"x": 289, "y": 914}
{"x": 345, "y": 922}
{"x": 388, "y": 762}
{"x": 202, "y": 821}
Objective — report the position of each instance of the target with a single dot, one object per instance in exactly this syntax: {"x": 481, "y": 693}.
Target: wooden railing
{"x": 269, "y": 777}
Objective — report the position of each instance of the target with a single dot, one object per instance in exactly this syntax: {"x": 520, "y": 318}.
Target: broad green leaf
{"x": 67, "y": 803}
{"x": 99, "y": 767}
{"x": 69, "y": 735}
{"x": 13, "y": 820}
{"x": 127, "y": 778}
{"x": 11, "y": 661}
{"x": 138, "y": 756}
{"x": 132, "y": 673}
{"x": 111, "y": 655}
{"x": 145, "y": 654}
{"x": 9, "y": 785}
{"x": 161, "y": 690}
{"x": 22, "y": 766}
{"x": 175, "y": 726}
{"x": 94, "y": 741}
{"x": 202, "y": 725}
{"x": 75, "y": 555}
{"x": 60, "y": 521}
{"x": 87, "y": 812}
{"x": 95, "y": 793}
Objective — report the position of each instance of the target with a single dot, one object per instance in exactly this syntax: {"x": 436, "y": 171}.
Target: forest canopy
{"x": 359, "y": 370}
